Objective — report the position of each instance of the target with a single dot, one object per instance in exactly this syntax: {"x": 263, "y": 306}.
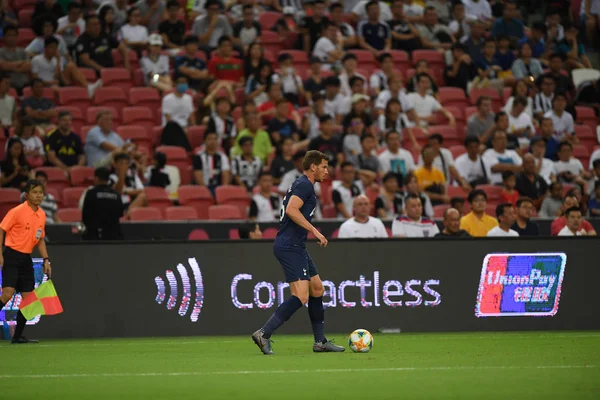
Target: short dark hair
{"x": 355, "y": 79}
{"x": 500, "y": 209}
{"x": 32, "y": 184}
{"x": 520, "y": 100}
{"x": 245, "y": 229}
{"x": 172, "y": 3}
{"x": 412, "y": 196}
{"x": 565, "y": 144}
{"x": 383, "y": 56}
{"x": 102, "y": 173}
{"x": 349, "y": 56}
{"x": 11, "y": 28}
{"x": 325, "y": 118}
{"x": 425, "y": 148}
{"x": 371, "y": 3}
{"x": 207, "y": 134}
{"x": 39, "y": 173}
{"x": 421, "y": 61}
{"x": 332, "y": 81}
{"x": 160, "y": 158}
{"x": 555, "y": 184}
{"x": 436, "y": 136}
{"x": 63, "y": 113}
{"x": 73, "y": 5}
{"x": 456, "y": 200}
{"x": 50, "y": 40}
{"x": 419, "y": 76}
{"x": 335, "y": 6}
{"x": 190, "y": 39}
{"x": 284, "y": 57}
{"x": 539, "y": 26}
{"x": 570, "y": 193}
{"x": 571, "y": 209}
{"x": 248, "y": 7}
{"x": 365, "y": 137}
{"x": 475, "y": 193}
{"x": 557, "y": 95}
{"x": 481, "y": 99}
{"x": 122, "y": 156}
{"x": 313, "y": 157}
{"x": 346, "y": 164}
{"x": 507, "y": 174}
{"x": 223, "y": 39}
{"x": 387, "y": 135}
{"x": 244, "y": 140}
{"x": 524, "y": 199}
{"x": 388, "y": 176}
{"x": 556, "y": 55}
{"x": 471, "y": 139}
{"x": 596, "y": 163}
{"x": 299, "y": 155}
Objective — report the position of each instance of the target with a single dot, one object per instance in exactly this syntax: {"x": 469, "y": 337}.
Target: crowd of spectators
{"x": 398, "y": 146}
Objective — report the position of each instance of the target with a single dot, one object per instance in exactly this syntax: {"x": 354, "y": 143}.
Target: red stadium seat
{"x": 134, "y": 62}
{"x": 224, "y": 211}
{"x": 3, "y": 141}
{"x": 233, "y": 195}
{"x": 82, "y": 176}
{"x": 335, "y": 234}
{"x": 198, "y": 234}
{"x": 581, "y": 153}
{"x": 196, "y": 135}
{"x": 587, "y": 116}
{"x": 136, "y": 134}
{"x": 48, "y": 92}
{"x": 141, "y": 116}
{"x": 90, "y": 74}
{"x": 365, "y": 59}
{"x": 234, "y": 234}
{"x": 457, "y": 150}
{"x": 586, "y": 136}
{"x": 433, "y": 57}
{"x": 181, "y": 213}
{"x": 74, "y": 96}
{"x": 24, "y": 4}
{"x": 158, "y": 198}
{"x": 490, "y": 209}
{"x": 111, "y": 96}
{"x": 469, "y": 111}
{"x": 457, "y": 191}
{"x": 506, "y": 94}
{"x": 145, "y": 214}
{"x": 69, "y": 214}
{"x": 198, "y": 197}
{"x": 448, "y": 133}
{"x": 144, "y": 97}
{"x": 24, "y": 37}
{"x": 176, "y": 156}
{"x": 84, "y": 131}
{"x": 272, "y": 43}
{"x": 9, "y": 198}
{"x": 92, "y": 114}
{"x": 186, "y": 175}
{"x": 451, "y": 96}
{"x": 56, "y": 178}
{"x": 25, "y": 18}
{"x": 116, "y": 77}
{"x": 438, "y": 211}
{"x": 497, "y": 101}
{"x": 269, "y": 233}
{"x": 77, "y": 117}
{"x": 72, "y": 195}
{"x": 268, "y": 19}
{"x": 299, "y": 57}
{"x": 492, "y": 191}
{"x": 401, "y": 59}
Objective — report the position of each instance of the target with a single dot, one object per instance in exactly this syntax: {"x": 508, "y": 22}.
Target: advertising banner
{"x": 226, "y": 288}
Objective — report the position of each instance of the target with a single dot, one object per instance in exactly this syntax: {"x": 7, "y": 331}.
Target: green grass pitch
{"x": 519, "y": 365}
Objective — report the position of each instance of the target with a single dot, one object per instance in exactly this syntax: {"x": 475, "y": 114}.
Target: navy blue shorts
{"x": 296, "y": 263}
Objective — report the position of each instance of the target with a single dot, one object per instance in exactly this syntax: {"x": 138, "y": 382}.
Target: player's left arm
{"x": 44, "y": 253}
{"x": 293, "y": 211}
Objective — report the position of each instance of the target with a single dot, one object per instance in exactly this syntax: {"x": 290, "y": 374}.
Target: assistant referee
{"x": 24, "y": 227}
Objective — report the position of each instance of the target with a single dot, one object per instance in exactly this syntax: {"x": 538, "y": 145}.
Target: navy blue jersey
{"x": 290, "y": 233}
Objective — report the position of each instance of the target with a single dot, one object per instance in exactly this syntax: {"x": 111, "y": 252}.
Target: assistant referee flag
{"x": 42, "y": 301}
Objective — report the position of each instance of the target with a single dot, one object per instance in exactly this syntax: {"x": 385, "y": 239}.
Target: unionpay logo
{"x": 184, "y": 283}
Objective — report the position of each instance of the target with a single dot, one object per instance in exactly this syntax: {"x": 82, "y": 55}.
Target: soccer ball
{"x": 360, "y": 341}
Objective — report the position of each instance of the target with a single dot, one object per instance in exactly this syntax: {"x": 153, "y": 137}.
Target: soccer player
{"x": 24, "y": 227}
{"x": 297, "y": 210}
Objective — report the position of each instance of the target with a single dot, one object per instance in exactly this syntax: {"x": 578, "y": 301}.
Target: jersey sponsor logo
{"x": 185, "y": 283}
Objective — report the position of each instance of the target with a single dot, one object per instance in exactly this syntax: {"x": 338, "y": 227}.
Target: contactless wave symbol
{"x": 187, "y": 290}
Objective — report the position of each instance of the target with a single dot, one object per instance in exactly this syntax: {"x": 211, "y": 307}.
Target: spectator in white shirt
{"x": 349, "y": 64}
{"x": 498, "y": 159}
{"x": 329, "y": 49}
{"x": 505, "y": 213}
{"x": 396, "y": 91}
{"x": 155, "y": 66}
{"x": 345, "y": 190}
{"x": 362, "y": 226}
{"x": 395, "y": 120}
{"x": 567, "y": 168}
{"x": 395, "y": 159}
{"x": 133, "y": 34}
{"x": 544, "y": 166}
{"x": 520, "y": 89}
{"x": 291, "y": 83}
{"x": 178, "y": 106}
{"x": 470, "y": 166}
{"x": 574, "y": 224}
{"x": 379, "y": 79}
{"x": 564, "y": 126}
{"x": 265, "y": 204}
{"x": 480, "y": 9}
{"x": 426, "y": 105}
{"x": 460, "y": 26}
{"x": 520, "y": 123}
{"x": 71, "y": 25}
{"x": 335, "y": 102}
{"x": 390, "y": 201}
{"x": 413, "y": 224}
{"x": 413, "y": 11}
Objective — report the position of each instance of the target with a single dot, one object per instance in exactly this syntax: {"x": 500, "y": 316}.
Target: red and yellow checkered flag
{"x": 42, "y": 301}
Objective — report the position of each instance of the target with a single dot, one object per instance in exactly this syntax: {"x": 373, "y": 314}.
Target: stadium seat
{"x": 401, "y": 59}
{"x": 176, "y": 156}
{"x": 335, "y": 234}
{"x": 24, "y": 37}
{"x": 56, "y": 178}
{"x": 69, "y": 214}
{"x": 299, "y": 57}
{"x": 457, "y": 191}
{"x": 56, "y": 194}
{"x": 74, "y": 96}
{"x": 84, "y": 131}
{"x": 365, "y": 59}
{"x": 269, "y": 233}
{"x": 587, "y": 116}
{"x": 181, "y": 213}
{"x": 137, "y": 134}
{"x": 186, "y": 175}
{"x": 506, "y": 94}
{"x": 3, "y": 141}
{"x": 24, "y": 4}
{"x": 438, "y": 211}
{"x": 497, "y": 101}
{"x": 134, "y": 62}
{"x": 90, "y": 74}
{"x": 234, "y": 234}
{"x": 92, "y": 113}
{"x": 144, "y": 97}
{"x": 48, "y": 92}
{"x": 198, "y": 234}
{"x": 9, "y": 198}
{"x": 111, "y": 96}
{"x": 272, "y": 44}
{"x": 141, "y": 116}
{"x": 433, "y": 57}
{"x": 158, "y": 198}
{"x": 586, "y": 136}
{"x": 145, "y": 214}
{"x": 582, "y": 153}
{"x": 451, "y": 96}
{"x": 82, "y": 176}
{"x": 492, "y": 191}
{"x": 76, "y": 115}
{"x": 233, "y": 195}
{"x": 72, "y": 195}
{"x": 469, "y": 111}
{"x": 116, "y": 77}
{"x": 449, "y": 134}
{"x": 490, "y": 209}
{"x": 268, "y": 19}
{"x": 224, "y": 211}
{"x": 457, "y": 150}
{"x": 196, "y": 135}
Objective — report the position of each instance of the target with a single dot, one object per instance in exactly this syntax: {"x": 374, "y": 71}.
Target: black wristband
{"x": 46, "y": 259}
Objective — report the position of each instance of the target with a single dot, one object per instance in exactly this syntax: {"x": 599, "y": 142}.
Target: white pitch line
{"x": 292, "y": 371}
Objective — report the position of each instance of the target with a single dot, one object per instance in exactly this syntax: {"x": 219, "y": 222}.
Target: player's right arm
{"x": 293, "y": 211}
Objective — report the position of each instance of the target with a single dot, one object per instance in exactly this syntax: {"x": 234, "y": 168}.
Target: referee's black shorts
{"x": 17, "y": 271}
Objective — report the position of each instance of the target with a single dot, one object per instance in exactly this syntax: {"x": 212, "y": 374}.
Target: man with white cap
{"x": 155, "y": 66}
{"x": 362, "y": 225}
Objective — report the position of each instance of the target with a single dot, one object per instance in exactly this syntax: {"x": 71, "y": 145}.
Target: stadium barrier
{"x": 222, "y": 288}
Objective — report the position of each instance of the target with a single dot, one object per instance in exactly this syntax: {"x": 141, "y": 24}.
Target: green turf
{"x": 535, "y": 365}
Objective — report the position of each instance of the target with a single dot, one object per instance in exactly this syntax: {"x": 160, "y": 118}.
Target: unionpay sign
{"x": 520, "y": 284}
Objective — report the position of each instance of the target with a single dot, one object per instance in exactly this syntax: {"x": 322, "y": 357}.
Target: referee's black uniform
{"x": 102, "y": 210}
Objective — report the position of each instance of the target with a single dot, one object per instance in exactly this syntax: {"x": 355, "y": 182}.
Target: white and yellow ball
{"x": 360, "y": 341}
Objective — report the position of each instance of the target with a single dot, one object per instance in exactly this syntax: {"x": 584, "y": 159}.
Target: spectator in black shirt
{"x": 452, "y": 225}
{"x": 63, "y": 147}
{"x": 405, "y": 35}
{"x": 524, "y": 226}
{"x": 564, "y": 83}
{"x": 530, "y": 183}
{"x": 280, "y": 126}
{"x": 372, "y": 34}
{"x": 246, "y": 31}
{"x": 462, "y": 71}
{"x": 327, "y": 143}
{"x": 14, "y": 170}
{"x": 336, "y": 14}
{"x": 156, "y": 176}
{"x": 222, "y": 123}
{"x": 172, "y": 29}
{"x": 94, "y": 47}
{"x": 191, "y": 66}
{"x": 312, "y": 27}
{"x": 314, "y": 83}
{"x": 48, "y": 8}
{"x": 40, "y": 109}
{"x": 102, "y": 209}
{"x": 283, "y": 161}
{"x": 589, "y": 94}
